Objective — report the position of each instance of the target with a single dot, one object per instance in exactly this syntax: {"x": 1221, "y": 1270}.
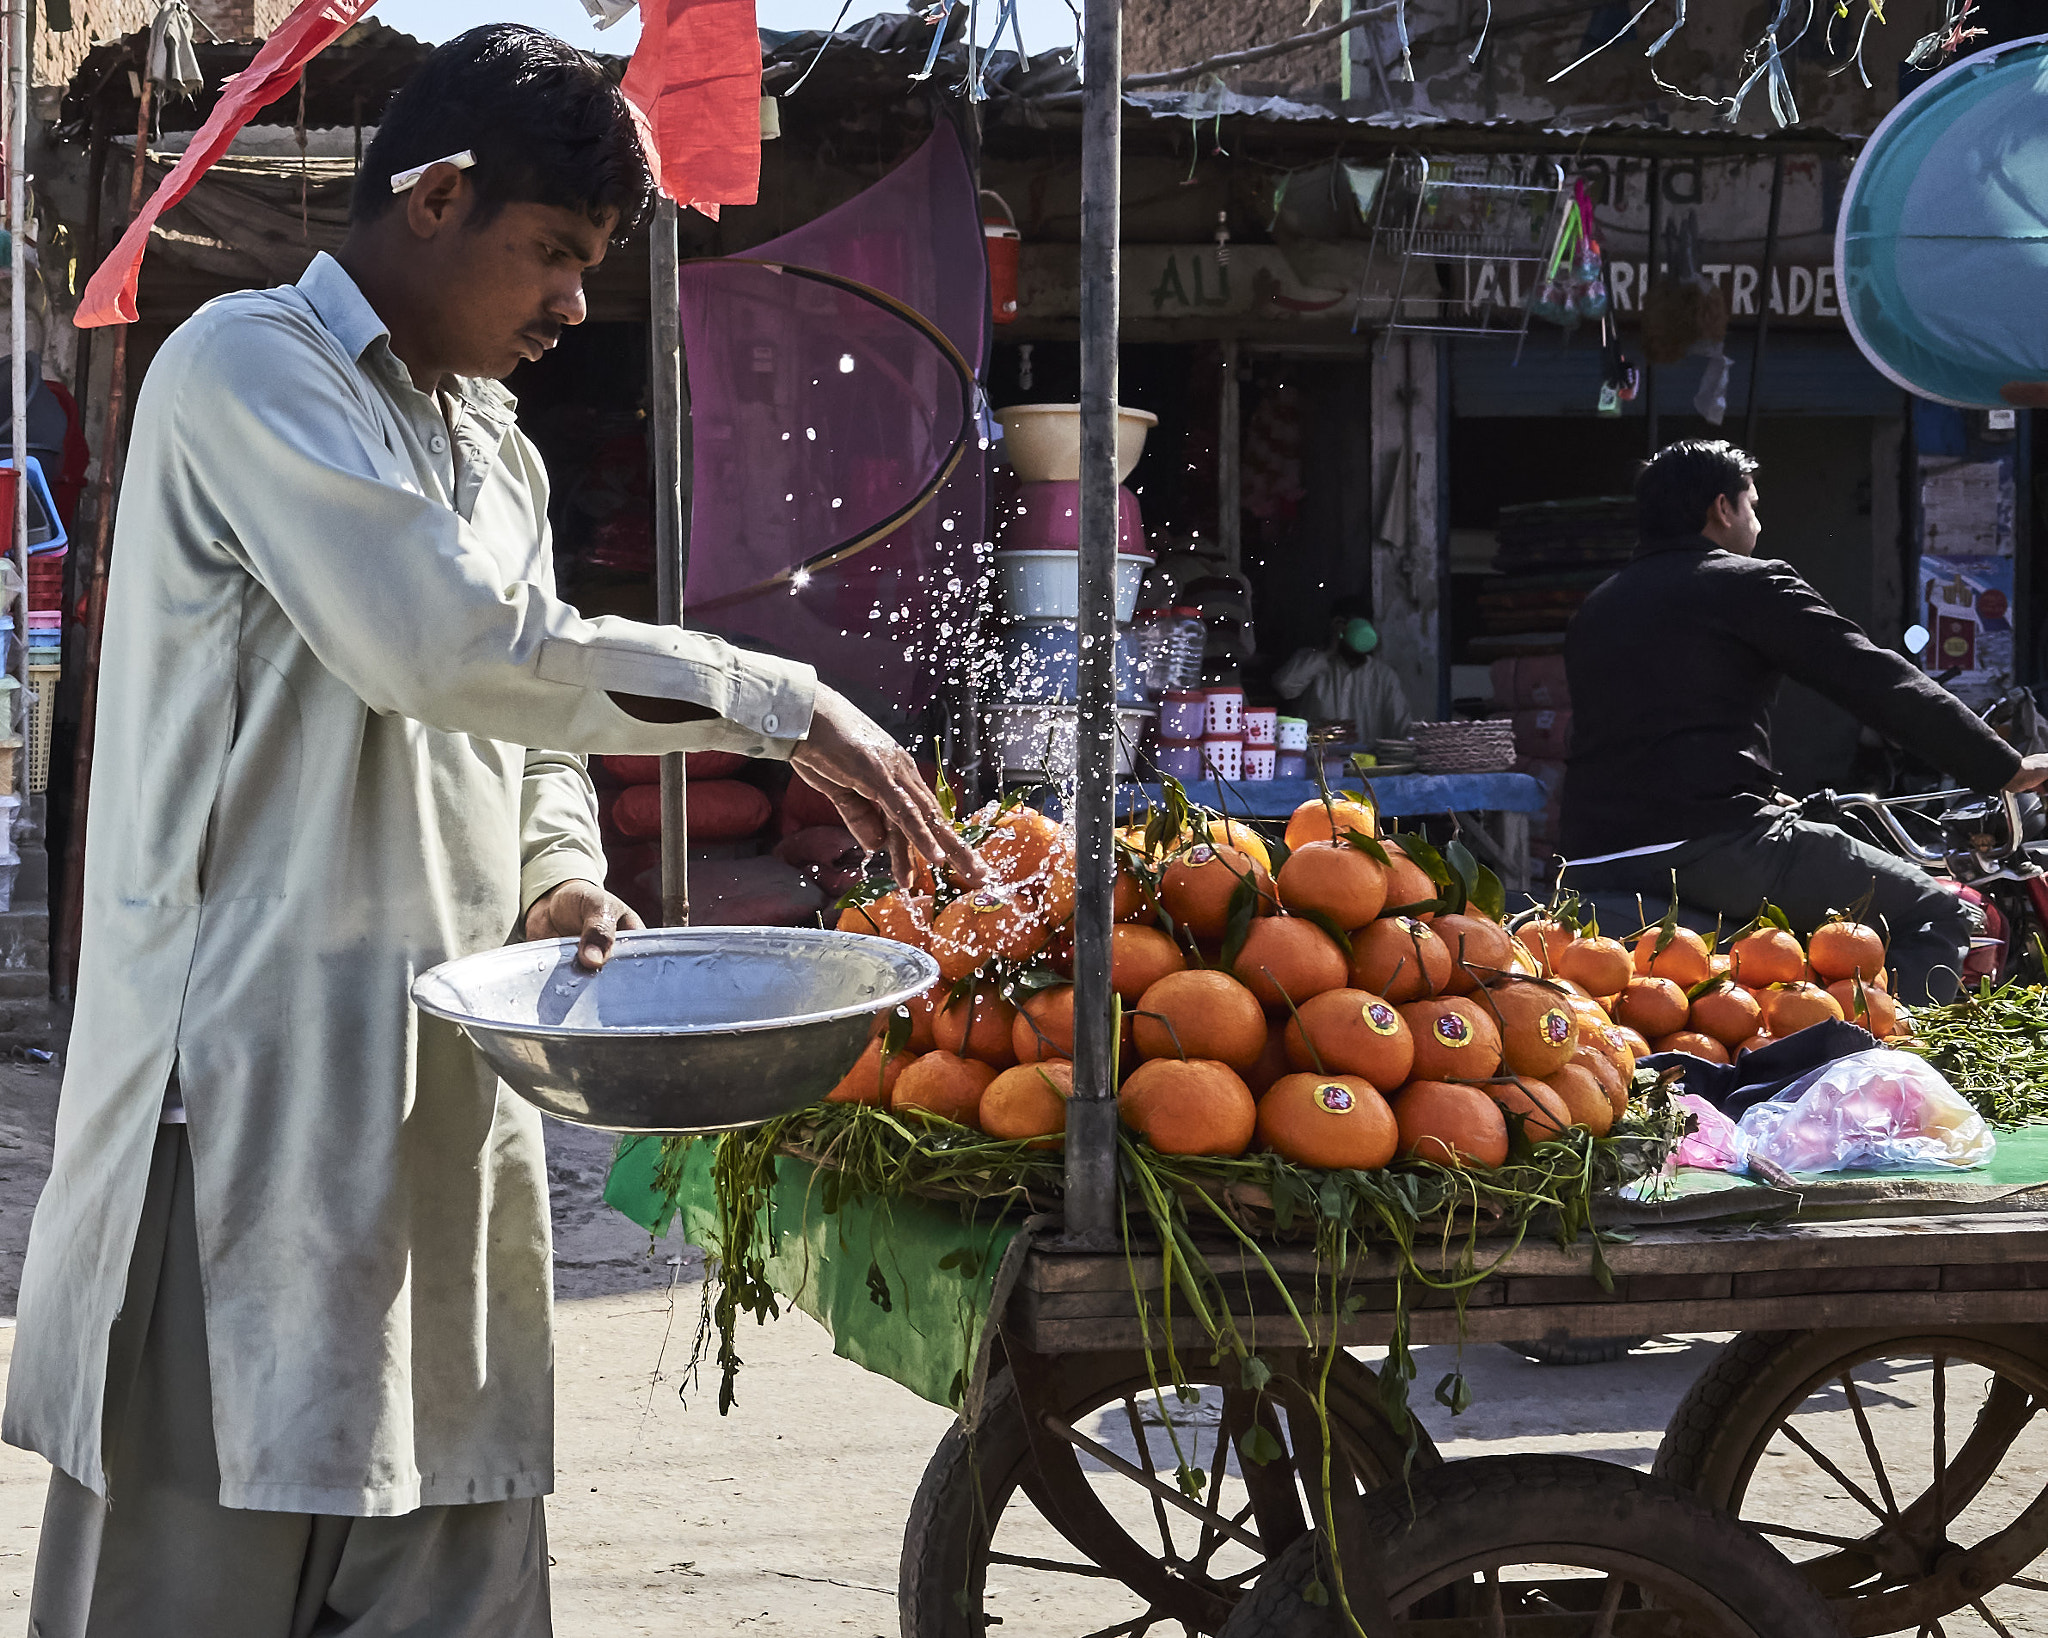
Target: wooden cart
{"x": 1868, "y": 1419}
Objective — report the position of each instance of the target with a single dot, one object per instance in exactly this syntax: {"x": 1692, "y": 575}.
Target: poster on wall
{"x": 1966, "y": 507}
{"x": 1967, "y": 607}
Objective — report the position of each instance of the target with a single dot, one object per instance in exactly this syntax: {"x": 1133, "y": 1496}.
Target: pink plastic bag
{"x": 1871, "y": 1111}
{"x": 1713, "y": 1145}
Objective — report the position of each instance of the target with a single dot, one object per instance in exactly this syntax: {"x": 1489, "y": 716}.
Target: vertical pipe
{"x": 1653, "y": 268}
{"x": 17, "y": 328}
{"x": 671, "y": 528}
{"x": 1091, "y": 1198}
{"x": 1754, "y": 407}
{"x": 96, "y": 600}
{"x": 1230, "y": 465}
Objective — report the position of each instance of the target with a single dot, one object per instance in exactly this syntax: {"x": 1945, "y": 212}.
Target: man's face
{"x": 507, "y": 287}
{"x": 1734, "y": 524}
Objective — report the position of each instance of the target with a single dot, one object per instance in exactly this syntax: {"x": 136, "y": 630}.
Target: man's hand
{"x": 878, "y": 791}
{"x": 584, "y": 911}
{"x": 2032, "y": 776}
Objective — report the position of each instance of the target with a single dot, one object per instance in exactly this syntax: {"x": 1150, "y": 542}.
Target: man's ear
{"x": 437, "y": 202}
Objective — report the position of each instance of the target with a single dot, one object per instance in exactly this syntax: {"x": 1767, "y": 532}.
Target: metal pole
{"x": 671, "y": 527}
{"x": 1091, "y": 1195}
{"x": 1763, "y": 307}
{"x": 1651, "y": 270}
{"x": 17, "y": 326}
{"x": 1230, "y": 464}
{"x": 96, "y": 599}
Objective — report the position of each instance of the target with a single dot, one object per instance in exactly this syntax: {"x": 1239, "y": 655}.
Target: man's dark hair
{"x": 1351, "y": 606}
{"x": 1677, "y": 485}
{"x": 547, "y": 124}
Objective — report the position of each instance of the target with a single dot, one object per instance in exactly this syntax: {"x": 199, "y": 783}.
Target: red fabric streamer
{"x": 695, "y": 88}
{"x": 110, "y": 295}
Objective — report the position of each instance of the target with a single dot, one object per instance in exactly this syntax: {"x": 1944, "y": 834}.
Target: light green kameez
{"x": 338, "y": 707}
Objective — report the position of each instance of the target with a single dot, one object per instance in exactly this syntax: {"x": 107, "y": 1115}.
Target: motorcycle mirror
{"x": 1916, "y": 639}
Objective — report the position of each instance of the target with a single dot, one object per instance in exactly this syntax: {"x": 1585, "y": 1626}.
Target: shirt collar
{"x": 1675, "y": 543}
{"x": 351, "y": 320}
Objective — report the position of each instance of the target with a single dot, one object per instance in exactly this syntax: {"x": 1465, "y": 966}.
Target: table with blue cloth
{"x": 1493, "y": 808}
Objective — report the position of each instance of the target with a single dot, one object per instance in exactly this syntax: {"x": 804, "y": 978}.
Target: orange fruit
{"x": 1539, "y": 1031}
{"x": 1201, "y": 1014}
{"x": 1599, "y": 966}
{"x": 1337, "y": 1122}
{"x": 1058, "y": 952}
{"x": 1760, "y": 1039}
{"x": 1029, "y": 1101}
{"x": 1288, "y": 959}
{"x": 1236, "y": 833}
{"x": 1315, "y": 821}
{"x": 922, "y": 1007}
{"x": 983, "y": 926}
{"x": 874, "y": 1073}
{"x": 1272, "y": 1064}
{"x": 1480, "y": 948}
{"x": 899, "y": 915}
{"x": 1618, "y": 1047}
{"x": 1686, "y": 960}
{"x": 1128, "y": 901}
{"x": 1692, "y": 1041}
{"x": 1399, "y": 957}
{"x": 1546, "y": 940}
{"x": 1186, "y": 1106}
{"x": 1586, "y": 1098}
{"x": 1770, "y": 955}
{"x": 1408, "y": 883}
{"x": 941, "y": 1085}
{"x": 1652, "y": 1007}
{"x": 1024, "y": 847}
{"x": 1846, "y": 949}
{"x": 977, "y": 1026}
{"x": 1794, "y": 1007}
{"x": 1351, "y": 1032}
{"x": 1731, "y": 1015}
{"x": 1044, "y": 1025}
{"x": 1139, "y": 957}
{"x": 1523, "y": 962}
{"x": 1879, "y": 1013}
{"x": 1198, "y": 884}
{"x": 1606, "y": 1075}
{"x": 1544, "y": 1115}
{"x": 1452, "y": 1125}
{"x": 1637, "y": 1043}
{"x": 1335, "y": 879}
{"x": 1455, "y": 1039}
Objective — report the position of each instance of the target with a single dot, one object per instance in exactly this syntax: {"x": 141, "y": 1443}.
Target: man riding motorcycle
{"x": 1674, "y": 664}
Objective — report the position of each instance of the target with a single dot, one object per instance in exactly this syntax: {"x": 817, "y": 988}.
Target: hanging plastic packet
{"x": 1552, "y": 297}
{"x": 1871, "y": 1111}
{"x": 1588, "y": 282}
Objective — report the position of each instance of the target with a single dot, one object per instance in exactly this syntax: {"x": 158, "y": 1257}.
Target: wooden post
{"x": 1230, "y": 464}
{"x": 1091, "y": 1192}
{"x": 671, "y": 526}
{"x": 96, "y": 599}
{"x": 17, "y": 329}
{"x": 1754, "y": 408}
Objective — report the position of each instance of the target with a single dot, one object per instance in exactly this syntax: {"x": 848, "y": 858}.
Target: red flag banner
{"x": 110, "y": 294}
{"x": 695, "y": 87}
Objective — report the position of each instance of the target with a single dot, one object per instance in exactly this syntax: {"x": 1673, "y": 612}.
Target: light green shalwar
{"x": 337, "y": 709}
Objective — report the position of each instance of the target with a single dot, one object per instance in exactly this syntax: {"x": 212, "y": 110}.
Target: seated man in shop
{"x": 1674, "y": 664}
{"x": 1345, "y": 681}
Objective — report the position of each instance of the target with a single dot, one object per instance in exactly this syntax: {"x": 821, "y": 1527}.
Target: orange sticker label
{"x": 1380, "y": 1018}
{"x": 1453, "y": 1029}
{"x": 1336, "y": 1097}
{"x": 1556, "y": 1026}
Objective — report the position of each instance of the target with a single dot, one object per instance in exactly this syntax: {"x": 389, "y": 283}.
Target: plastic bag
{"x": 1871, "y": 1111}
{"x": 1713, "y": 1144}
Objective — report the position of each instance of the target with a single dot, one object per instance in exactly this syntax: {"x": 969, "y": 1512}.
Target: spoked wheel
{"x": 1139, "y": 1512}
{"x": 1546, "y": 1547}
{"x": 1903, "y": 1471}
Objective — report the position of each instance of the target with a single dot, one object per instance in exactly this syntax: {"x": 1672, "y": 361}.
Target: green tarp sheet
{"x": 905, "y": 1286}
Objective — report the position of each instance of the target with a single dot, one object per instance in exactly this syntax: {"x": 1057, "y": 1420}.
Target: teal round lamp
{"x": 1941, "y": 249}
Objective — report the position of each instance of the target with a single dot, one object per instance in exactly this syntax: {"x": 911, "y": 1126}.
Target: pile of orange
{"x": 1676, "y": 993}
{"x": 1357, "y": 1020}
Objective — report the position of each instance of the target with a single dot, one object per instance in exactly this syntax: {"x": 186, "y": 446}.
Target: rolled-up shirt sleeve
{"x": 397, "y": 596}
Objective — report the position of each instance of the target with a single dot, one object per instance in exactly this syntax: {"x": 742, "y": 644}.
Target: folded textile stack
{"x": 1550, "y": 555}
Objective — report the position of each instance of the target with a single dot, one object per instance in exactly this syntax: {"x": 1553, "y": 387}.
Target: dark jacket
{"x": 1673, "y": 665}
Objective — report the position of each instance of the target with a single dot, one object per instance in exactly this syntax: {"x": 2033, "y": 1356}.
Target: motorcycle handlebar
{"x": 1878, "y": 810}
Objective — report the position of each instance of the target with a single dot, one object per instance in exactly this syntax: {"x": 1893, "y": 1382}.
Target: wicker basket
{"x": 1484, "y": 746}
{"x": 42, "y": 718}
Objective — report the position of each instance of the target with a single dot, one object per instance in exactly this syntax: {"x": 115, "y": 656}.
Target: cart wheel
{"x": 1899, "y": 1469}
{"x": 982, "y": 1547}
{"x": 1504, "y": 1545}
{"x": 1575, "y": 1350}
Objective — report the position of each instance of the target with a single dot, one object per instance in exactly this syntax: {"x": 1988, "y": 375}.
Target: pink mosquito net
{"x": 819, "y": 415}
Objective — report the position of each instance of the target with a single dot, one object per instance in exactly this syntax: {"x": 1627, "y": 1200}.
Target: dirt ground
{"x": 787, "y": 1515}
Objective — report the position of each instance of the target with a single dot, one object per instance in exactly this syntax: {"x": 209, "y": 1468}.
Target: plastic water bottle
{"x": 1186, "y": 638}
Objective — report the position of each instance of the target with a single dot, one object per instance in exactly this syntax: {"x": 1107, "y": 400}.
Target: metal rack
{"x": 1469, "y": 210}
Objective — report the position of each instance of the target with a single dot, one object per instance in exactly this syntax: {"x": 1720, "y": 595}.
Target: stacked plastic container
{"x": 1038, "y": 598}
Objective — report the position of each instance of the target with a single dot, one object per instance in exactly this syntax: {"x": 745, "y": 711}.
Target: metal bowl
{"x": 684, "y": 1029}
